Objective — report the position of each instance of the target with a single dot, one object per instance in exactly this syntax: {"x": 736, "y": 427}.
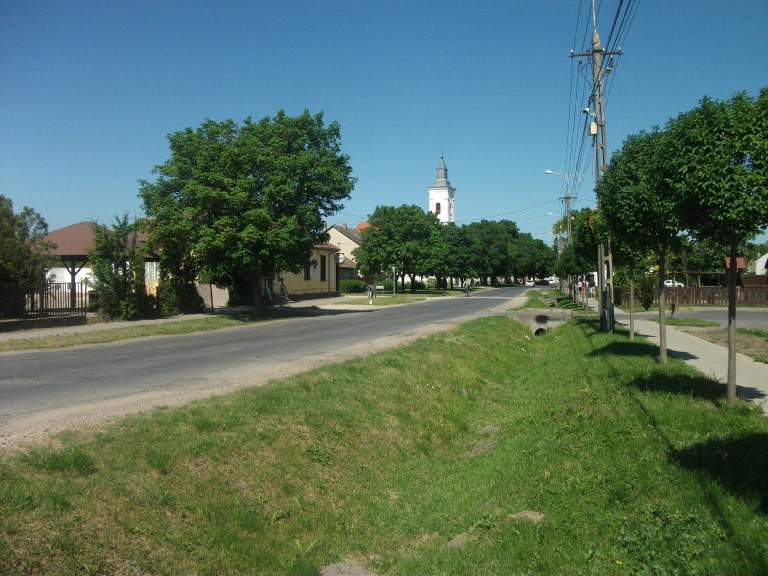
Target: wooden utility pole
{"x": 597, "y": 130}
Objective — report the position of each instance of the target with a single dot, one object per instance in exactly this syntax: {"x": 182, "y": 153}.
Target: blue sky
{"x": 90, "y": 91}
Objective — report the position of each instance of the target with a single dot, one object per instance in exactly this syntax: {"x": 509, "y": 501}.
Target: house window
{"x": 151, "y": 272}
{"x": 323, "y": 267}
{"x": 437, "y": 208}
{"x": 306, "y": 270}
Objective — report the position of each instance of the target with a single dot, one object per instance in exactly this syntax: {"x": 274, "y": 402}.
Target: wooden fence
{"x": 42, "y": 300}
{"x": 707, "y": 296}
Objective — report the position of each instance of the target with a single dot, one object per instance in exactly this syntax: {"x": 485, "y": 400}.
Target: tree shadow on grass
{"x": 681, "y": 385}
{"x": 627, "y": 348}
{"x": 280, "y": 312}
{"x": 738, "y": 464}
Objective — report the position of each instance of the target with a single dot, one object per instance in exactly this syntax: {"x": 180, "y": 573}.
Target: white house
{"x": 761, "y": 264}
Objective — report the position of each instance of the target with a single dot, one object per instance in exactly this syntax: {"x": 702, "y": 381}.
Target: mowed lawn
{"x": 481, "y": 450}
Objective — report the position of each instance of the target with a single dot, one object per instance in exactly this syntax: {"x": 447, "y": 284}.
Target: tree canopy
{"x": 720, "y": 154}
{"x": 705, "y": 175}
{"x": 416, "y": 243}
{"x": 236, "y": 202}
{"x": 405, "y": 237}
{"x": 24, "y": 252}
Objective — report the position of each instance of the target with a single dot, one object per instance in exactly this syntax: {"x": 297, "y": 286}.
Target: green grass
{"x": 693, "y": 322}
{"x": 381, "y": 300}
{"x": 754, "y": 332}
{"x": 536, "y": 298}
{"x": 635, "y": 468}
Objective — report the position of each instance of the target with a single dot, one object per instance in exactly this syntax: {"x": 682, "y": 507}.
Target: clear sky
{"x": 89, "y": 90}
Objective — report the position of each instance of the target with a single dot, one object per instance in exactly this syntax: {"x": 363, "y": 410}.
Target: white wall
{"x": 63, "y": 275}
{"x": 760, "y": 265}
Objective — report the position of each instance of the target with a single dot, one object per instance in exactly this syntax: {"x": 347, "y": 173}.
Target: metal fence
{"x": 42, "y": 300}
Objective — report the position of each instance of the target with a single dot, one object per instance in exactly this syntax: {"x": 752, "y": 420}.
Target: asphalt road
{"x": 35, "y": 383}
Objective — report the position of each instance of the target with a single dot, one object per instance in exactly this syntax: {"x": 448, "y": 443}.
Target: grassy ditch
{"x": 481, "y": 450}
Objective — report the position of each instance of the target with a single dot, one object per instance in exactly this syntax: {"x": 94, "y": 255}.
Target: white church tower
{"x": 441, "y": 195}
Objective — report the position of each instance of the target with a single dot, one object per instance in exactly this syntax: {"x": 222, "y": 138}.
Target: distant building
{"x": 346, "y": 239}
{"x": 441, "y": 195}
{"x": 761, "y": 265}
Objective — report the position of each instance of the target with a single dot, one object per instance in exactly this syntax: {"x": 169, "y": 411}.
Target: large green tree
{"x": 402, "y": 237}
{"x": 464, "y": 258}
{"x": 531, "y": 257}
{"x": 24, "y": 252}
{"x": 497, "y": 244}
{"x": 720, "y": 155}
{"x": 235, "y": 203}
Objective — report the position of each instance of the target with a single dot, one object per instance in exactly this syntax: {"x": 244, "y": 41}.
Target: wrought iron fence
{"x": 42, "y": 300}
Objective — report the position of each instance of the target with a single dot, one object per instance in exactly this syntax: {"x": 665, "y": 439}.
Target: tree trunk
{"x": 631, "y": 303}
{"x": 662, "y": 311}
{"x": 256, "y": 293}
{"x": 732, "y": 279}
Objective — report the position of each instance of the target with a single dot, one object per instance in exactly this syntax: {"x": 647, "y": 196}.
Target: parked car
{"x": 529, "y": 282}
{"x": 673, "y": 284}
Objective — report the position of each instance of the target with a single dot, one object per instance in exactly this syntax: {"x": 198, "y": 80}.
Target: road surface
{"x": 45, "y": 391}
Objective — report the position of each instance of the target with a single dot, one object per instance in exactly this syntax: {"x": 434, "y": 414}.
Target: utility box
{"x": 593, "y": 128}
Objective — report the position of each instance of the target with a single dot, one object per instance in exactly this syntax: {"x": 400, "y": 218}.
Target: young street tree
{"x": 638, "y": 202}
{"x": 117, "y": 262}
{"x": 234, "y": 203}
{"x": 720, "y": 154}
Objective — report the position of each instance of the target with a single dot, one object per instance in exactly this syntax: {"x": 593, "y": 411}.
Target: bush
{"x": 175, "y": 298}
{"x": 418, "y": 285}
{"x": 647, "y": 290}
{"x": 351, "y": 286}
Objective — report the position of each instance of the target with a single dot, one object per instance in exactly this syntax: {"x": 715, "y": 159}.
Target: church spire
{"x": 442, "y": 175}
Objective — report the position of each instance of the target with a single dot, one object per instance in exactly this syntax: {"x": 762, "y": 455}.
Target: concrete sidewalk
{"x": 710, "y": 359}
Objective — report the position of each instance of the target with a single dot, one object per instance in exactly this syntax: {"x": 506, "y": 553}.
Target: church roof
{"x": 442, "y": 176}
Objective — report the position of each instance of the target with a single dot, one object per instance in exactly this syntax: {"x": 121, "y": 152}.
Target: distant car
{"x": 673, "y": 284}
{"x": 529, "y": 282}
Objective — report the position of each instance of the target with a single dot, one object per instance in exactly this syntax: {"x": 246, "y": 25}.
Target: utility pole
{"x": 597, "y": 130}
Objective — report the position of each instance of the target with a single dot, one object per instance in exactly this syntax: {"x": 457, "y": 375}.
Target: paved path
{"x": 710, "y": 359}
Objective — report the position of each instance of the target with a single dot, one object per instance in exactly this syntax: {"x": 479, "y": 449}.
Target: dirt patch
{"x": 747, "y": 344}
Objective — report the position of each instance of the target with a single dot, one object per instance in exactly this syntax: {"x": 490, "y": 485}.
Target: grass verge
{"x": 127, "y": 330}
{"x": 692, "y": 322}
{"x": 481, "y": 450}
